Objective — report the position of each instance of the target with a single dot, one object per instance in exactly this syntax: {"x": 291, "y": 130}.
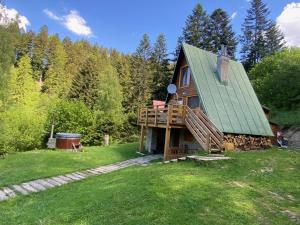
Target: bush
{"x": 23, "y": 129}
{"x": 72, "y": 117}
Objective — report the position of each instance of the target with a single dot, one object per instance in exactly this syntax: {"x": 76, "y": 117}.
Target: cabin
{"x": 214, "y": 109}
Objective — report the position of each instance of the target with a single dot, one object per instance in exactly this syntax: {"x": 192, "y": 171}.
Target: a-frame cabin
{"x": 214, "y": 98}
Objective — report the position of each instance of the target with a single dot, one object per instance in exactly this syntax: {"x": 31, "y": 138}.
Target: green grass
{"x": 253, "y": 188}
{"x": 24, "y": 166}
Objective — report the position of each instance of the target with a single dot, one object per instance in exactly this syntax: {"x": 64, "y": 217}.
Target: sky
{"x": 120, "y": 24}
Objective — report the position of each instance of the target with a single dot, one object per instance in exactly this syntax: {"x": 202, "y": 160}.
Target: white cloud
{"x": 289, "y": 22}
{"x": 72, "y": 21}
{"x": 8, "y": 16}
{"x": 51, "y": 14}
{"x": 233, "y": 15}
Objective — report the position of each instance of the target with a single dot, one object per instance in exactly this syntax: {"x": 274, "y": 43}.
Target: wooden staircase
{"x": 204, "y": 131}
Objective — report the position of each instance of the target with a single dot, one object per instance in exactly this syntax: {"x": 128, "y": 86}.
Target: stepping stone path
{"x": 51, "y": 182}
{"x": 199, "y": 158}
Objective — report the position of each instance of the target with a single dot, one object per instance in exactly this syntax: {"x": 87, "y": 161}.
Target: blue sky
{"x": 120, "y": 24}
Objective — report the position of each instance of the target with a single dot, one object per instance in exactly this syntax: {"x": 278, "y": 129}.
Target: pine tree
{"x": 7, "y": 57}
{"x": 85, "y": 84}
{"x": 195, "y": 31}
{"x": 275, "y": 39}
{"x": 220, "y": 32}
{"x": 256, "y": 29}
{"x": 24, "y": 88}
{"x": 141, "y": 74}
{"x": 55, "y": 79}
{"x": 160, "y": 65}
{"x": 39, "y": 54}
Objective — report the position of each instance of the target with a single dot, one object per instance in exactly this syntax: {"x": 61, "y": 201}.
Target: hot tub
{"x": 67, "y": 140}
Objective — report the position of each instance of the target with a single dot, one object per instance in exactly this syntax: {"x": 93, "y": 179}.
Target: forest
{"x": 91, "y": 90}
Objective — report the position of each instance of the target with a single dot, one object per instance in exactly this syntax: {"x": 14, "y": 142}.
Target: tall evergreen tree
{"x": 24, "y": 88}
{"x": 195, "y": 31}
{"x": 85, "y": 83}
{"x": 39, "y": 53}
{"x": 161, "y": 71}
{"x": 141, "y": 74}
{"x": 275, "y": 39}
{"x": 6, "y": 61}
{"x": 220, "y": 32}
{"x": 255, "y": 40}
{"x": 55, "y": 79}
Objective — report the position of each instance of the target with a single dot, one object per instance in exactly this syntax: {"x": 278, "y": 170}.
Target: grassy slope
{"x": 254, "y": 188}
{"x": 24, "y": 166}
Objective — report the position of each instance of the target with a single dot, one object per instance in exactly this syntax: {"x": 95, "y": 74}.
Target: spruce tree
{"x": 161, "y": 71}
{"x": 85, "y": 84}
{"x": 256, "y": 29}
{"x": 24, "y": 88}
{"x": 141, "y": 73}
{"x": 39, "y": 53}
{"x": 195, "y": 31}
{"x": 55, "y": 79}
{"x": 220, "y": 32}
{"x": 275, "y": 39}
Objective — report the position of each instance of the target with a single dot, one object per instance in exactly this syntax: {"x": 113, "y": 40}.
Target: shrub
{"x": 23, "y": 129}
{"x": 73, "y": 117}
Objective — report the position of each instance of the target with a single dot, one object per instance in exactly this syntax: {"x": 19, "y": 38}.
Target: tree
{"x": 220, "y": 32}
{"x": 257, "y": 28}
{"x": 276, "y": 79}
{"x": 39, "y": 54}
{"x": 85, "y": 83}
{"x": 55, "y": 79}
{"x": 195, "y": 31}
{"x": 6, "y": 62}
{"x": 275, "y": 39}
{"x": 141, "y": 74}
{"x": 160, "y": 65}
{"x": 24, "y": 88}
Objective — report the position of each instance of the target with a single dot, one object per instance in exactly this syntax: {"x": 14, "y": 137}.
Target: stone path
{"x": 51, "y": 182}
{"x": 200, "y": 158}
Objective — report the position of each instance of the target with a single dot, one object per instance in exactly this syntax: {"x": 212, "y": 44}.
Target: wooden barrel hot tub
{"x": 67, "y": 140}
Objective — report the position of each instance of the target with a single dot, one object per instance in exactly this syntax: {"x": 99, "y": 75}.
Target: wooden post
{"x": 168, "y": 134}
{"x": 142, "y": 139}
{"x": 156, "y": 111}
{"x": 146, "y": 121}
{"x": 208, "y": 142}
{"x": 167, "y": 143}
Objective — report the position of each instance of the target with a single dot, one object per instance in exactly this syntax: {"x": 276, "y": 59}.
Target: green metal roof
{"x": 234, "y": 107}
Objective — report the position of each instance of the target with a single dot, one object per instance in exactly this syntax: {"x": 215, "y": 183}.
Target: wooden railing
{"x": 161, "y": 115}
{"x": 204, "y": 131}
{"x": 202, "y": 128}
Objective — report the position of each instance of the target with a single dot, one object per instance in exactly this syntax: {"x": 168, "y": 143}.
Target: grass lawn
{"x": 253, "y": 188}
{"x": 24, "y": 166}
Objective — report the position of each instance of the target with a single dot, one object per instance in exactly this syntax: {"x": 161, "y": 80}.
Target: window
{"x": 185, "y": 76}
{"x": 193, "y": 102}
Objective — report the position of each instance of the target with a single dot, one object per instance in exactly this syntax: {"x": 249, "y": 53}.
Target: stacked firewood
{"x": 248, "y": 142}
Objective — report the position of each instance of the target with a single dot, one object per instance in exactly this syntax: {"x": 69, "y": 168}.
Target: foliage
{"x": 195, "y": 31}
{"x": 142, "y": 76}
{"x": 72, "y": 117}
{"x": 160, "y": 68}
{"x": 276, "y": 80}
{"x": 221, "y": 33}
{"x": 261, "y": 36}
{"x": 259, "y": 187}
{"x": 22, "y": 129}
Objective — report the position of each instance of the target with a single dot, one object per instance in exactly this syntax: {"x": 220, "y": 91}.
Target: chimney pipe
{"x": 223, "y": 65}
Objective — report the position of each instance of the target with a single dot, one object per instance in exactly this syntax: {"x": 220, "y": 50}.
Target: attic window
{"x": 185, "y": 76}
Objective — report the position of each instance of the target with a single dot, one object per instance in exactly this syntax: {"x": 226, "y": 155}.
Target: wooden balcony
{"x": 162, "y": 116}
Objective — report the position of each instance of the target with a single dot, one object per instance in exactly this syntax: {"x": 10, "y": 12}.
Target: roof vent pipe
{"x": 223, "y": 65}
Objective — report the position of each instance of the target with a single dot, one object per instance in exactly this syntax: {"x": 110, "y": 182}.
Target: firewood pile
{"x": 248, "y": 142}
